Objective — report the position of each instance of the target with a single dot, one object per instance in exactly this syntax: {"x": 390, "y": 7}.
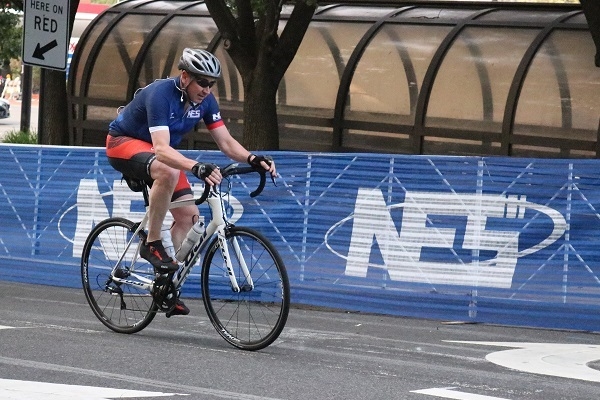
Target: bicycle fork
{"x": 219, "y": 225}
{"x": 248, "y": 284}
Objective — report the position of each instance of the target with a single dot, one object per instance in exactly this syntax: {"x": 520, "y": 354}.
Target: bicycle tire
{"x": 124, "y": 308}
{"x": 253, "y": 318}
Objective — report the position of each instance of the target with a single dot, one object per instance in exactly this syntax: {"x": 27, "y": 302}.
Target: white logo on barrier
{"x": 403, "y": 253}
{"x": 92, "y": 209}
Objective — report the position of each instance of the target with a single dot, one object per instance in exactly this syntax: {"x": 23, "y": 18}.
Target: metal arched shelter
{"x": 409, "y": 77}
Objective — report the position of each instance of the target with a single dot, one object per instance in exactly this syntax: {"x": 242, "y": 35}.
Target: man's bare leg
{"x": 165, "y": 180}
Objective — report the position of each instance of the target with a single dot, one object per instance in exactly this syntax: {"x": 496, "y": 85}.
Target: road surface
{"x": 52, "y": 347}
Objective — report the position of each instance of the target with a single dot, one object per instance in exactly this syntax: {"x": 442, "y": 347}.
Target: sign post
{"x": 46, "y": 33}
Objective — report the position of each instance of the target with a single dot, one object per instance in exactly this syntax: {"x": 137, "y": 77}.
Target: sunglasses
{"x": 205, "y": 83}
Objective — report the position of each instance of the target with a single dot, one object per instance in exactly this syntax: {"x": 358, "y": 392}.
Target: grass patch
{"x": 21, "y": 137}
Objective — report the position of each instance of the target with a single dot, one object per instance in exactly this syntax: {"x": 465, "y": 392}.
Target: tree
{"x": 250, "y": 32}
{"x": 10, "y": 32}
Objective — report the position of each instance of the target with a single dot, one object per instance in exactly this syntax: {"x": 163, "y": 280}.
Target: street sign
{"x": 46, "y": 33}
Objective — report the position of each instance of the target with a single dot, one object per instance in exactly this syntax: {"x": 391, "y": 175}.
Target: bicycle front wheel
{"x": 123, "y": 307}
{"x": 253, "y": 317}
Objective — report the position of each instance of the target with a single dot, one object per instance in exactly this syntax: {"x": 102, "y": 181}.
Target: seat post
{"x": 146, "y": 194}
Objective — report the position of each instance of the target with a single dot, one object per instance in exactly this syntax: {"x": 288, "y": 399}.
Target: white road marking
{"x": 554, "y": 359}
{"x": 6, "y": 327}
{"x": 448, "y": 393}
{"x": 26, "y": 390}
{"x": 128, "y": 379}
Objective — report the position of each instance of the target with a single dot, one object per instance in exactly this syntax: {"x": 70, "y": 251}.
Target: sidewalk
{"x": 35, "y": 98}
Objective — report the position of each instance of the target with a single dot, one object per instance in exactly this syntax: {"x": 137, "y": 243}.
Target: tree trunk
{"x": 591, "y": 8}
{"x": 261, "y": 57}
{"x": 53, "y": 124}
{"x": 261, "y": 130}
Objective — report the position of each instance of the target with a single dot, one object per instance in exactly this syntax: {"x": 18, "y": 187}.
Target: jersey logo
{"x": 194, "y": 114}
{"x": 216, "y": 116}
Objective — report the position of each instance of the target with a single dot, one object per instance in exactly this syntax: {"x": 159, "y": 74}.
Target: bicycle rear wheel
{"x": 122, "y": 307}
{"x": 252, "y": 318}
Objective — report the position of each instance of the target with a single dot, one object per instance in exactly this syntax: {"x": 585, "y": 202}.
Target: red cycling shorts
{"x": 133, "y": 158}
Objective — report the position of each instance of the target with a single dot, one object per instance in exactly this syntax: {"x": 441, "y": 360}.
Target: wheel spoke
{"x": 122, "y": 307}
{"x": 254, "y": 317}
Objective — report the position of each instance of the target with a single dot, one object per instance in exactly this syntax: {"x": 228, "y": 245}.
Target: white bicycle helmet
{"x": 200, "y": 62}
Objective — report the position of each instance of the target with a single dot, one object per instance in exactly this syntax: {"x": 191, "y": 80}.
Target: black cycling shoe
{"x": 155, "y": 254}
{"x": 179, "y": 309}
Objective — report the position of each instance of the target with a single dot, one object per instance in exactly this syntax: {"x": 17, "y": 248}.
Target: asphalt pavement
{"x": 52, "y": 347}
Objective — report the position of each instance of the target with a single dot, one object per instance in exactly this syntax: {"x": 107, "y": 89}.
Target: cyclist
{"x": 141, "y": 144}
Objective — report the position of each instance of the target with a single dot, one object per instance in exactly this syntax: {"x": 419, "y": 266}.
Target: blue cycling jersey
{"x": 160, "y": 104}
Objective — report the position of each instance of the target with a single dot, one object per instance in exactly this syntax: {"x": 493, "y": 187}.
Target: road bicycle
{"x": 243, "y": 280}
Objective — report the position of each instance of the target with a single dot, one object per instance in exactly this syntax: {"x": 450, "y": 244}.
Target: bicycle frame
{"x": 217, "y": 225}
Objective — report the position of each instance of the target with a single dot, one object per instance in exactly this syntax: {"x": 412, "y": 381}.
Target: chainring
{"x": 164, "y": 293}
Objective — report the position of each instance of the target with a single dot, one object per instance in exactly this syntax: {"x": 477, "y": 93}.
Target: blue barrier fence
{"x": 498, "y": 240}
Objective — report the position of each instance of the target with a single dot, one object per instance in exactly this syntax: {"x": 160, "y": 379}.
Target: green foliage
{"x": 21, "y": 137}
{"x": 258, "y": 7}
{"x": 10, "y": 32}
